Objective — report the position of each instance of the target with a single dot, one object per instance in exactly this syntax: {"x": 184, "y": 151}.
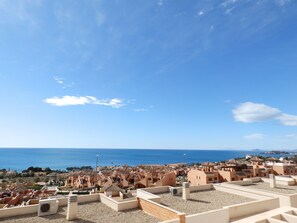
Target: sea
{"x": 59, "y": 159}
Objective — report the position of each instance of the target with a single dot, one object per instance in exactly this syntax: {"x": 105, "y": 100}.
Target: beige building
{"x": 203, "y": 176}
{"x": 284, "y": 169}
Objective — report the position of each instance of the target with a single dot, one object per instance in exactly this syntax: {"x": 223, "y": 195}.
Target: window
{"x": 233, "y": 179}
{"x": 215, "y": 178}
{"x": 210, "y": 179}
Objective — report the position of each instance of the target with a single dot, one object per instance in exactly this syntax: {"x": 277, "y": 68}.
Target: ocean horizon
{"x": 21, "y": 158}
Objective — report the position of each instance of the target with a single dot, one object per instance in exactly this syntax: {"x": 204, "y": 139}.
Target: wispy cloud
{"x": 249, "y": 112}
{"x": 140, "y": 109}
{"x": 100, "y": 18}
{"x": 229, "y": 10}
{"x": 144, "y": 109}
{"x": 289, "y": 120}
{"x": 253, "y": 112}
{"x": 21, "y": 11}
{"x": 63, "y": 83}
{"x": 282, "y": 2}
{"x": 291, "y": 136}
{"x": 160, "y": 2}
{"x": 228, "y": 3}
{"x": 255, "y": 136}
{"x": 83, "y": 100}
{"x": 200, "y": 13}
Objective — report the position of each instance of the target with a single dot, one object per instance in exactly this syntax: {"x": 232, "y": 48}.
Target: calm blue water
{"x": 20, "y": 159}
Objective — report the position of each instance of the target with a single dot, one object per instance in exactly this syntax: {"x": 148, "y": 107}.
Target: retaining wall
{"x": 118, "y": 206}
{"x": 159, "y": 211}
{"x": 147, "y": 195}
{"x": 33, "y": 209}
{"x": 250, "y": 208}
{"x": 156, "y": 190}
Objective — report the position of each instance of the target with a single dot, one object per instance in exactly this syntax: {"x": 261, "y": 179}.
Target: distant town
{"x": 35, "y": 183}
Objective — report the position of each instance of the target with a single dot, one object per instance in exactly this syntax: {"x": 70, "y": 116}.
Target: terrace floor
{"x": 283, "y": 189}
{"x": 88, "y": 213}
{"x": 201, "y": 201}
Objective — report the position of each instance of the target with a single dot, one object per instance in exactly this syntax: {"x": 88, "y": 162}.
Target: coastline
{"x": 19, "y": 159}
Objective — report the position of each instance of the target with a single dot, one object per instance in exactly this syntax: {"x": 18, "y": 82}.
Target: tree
{"x": 47, "y": 170}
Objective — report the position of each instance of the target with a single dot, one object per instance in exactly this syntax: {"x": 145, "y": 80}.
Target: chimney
{"x": 186, "y": 191}
{"x": 272, "y": 180}
{"x": 72, "y": 207}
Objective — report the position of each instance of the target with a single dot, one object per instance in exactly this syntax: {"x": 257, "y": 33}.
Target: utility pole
{"x": 97, "y": 157}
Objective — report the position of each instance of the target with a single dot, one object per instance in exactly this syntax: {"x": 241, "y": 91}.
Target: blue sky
{"x": 148, "y": 74}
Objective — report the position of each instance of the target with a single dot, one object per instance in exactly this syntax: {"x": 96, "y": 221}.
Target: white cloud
{"x": 201, "y": 13}
{"x": 59, "y": 80}
{"x": 73, "y": 100}
{"x": 140, "y": 110}
{"x": 62, "y": 82}
{"x": 21, "y": 11}
{"x": 253, "y": 112}
{"x": 229, "y": 10}
{"x": 115, "y": 102}
{"x": 288, "y": 120}
{"x": 160, "y": 2}
{"x": 249, "y": 112}
{"x": 227, "y": 3}
{"x": 291, "y": 136}
{"x": 255, "y": 136}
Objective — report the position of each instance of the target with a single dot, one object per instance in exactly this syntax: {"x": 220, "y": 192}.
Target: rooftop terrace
{"x": 283, "y": 189}
{"x": 202, "y": 201}
{"x": 89, "y": 213}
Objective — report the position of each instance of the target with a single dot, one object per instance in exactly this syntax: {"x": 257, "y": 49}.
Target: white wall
{"x": 16, "y": 211}
{"x": 88, "y": 198}
{"x": 147, "y": 195}
{"x": 220, "y": 215}
{"x": 127, "y": 205}
{"x": 244, "y": 182}
{"x": 155, "y": 190}
{"x": 118, "y": 206}
{"x": 281, "y": 180}
{"x": 32, "y": 209}
{"x": 201, "y": 187}
{"x": 293, "y": 199}
{"x": 253, "y": 207}
{"x": 254, "y": 179}
{"x": 242, "y": 191}
{"x": 215, "y": 216}
{"x": 109, "y": 202}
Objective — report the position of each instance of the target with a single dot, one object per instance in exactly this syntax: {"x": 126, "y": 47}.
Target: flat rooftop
{"x": 283, "y": 189}
{"x": 202, "y": 201}
{"x": 88, "y": 213}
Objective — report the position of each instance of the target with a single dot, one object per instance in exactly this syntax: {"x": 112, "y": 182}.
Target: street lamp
{"x": 97, "y": 157}
{"x": 184, "y": 177}
{"x": 96, "y": 171}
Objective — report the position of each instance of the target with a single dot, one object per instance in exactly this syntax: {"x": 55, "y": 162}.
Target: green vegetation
{"x": 79, "y": 168}
{"x": 35, "y": 187}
